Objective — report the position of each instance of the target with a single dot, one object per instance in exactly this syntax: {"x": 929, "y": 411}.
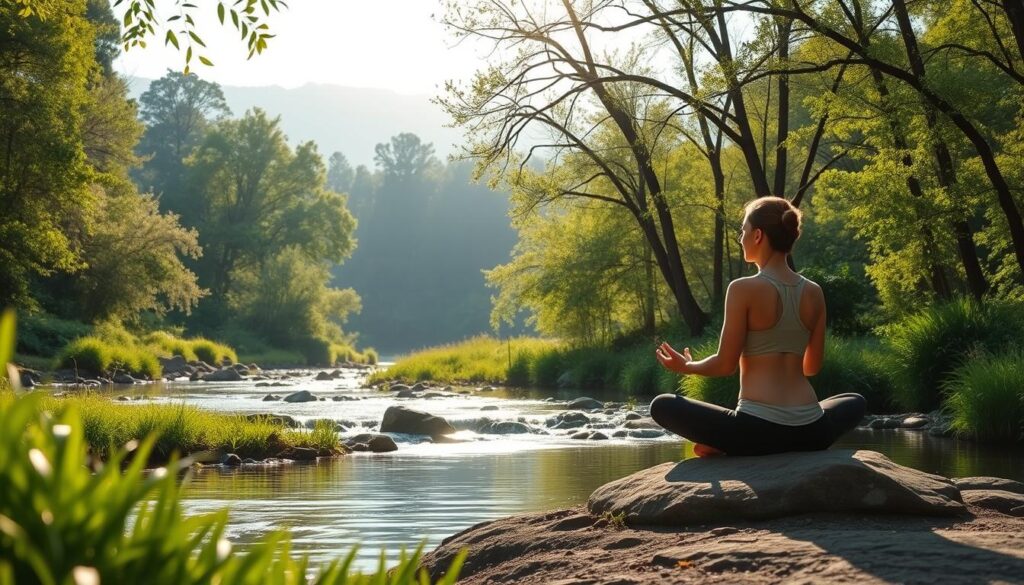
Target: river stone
{"x": 231, "y": 460}
{"x": 407, "y": 393}
{"x": 589, "y": 435}
{"x": 398, "y": 387}
{"x": 715, "y": 489}
{"x": 633, "y": 416}
{"x": 489, "y": 407}
{"x": 223, "y": 375}
{"x": 486, "y": 389}
{"x": 567, "y": 420}
{"x": 915, "y": 422}
{"x": 300, "y": 454}
{"x": 642, "y": 423}
{"x": 122, "y": 378}
{"x": 506, "y": 427}
{"x": 584, "y": 403}
{"x": 399, "y": 419}
{"x": 321, "y": 376}
{"x": 300, "y": 396}
{"x": 418, "y": 386}
{"x": 998, "y": 500}
{"x": 271, "y": 398}
{"x": 988, "y": 483}
{"x": 172, "y": 364}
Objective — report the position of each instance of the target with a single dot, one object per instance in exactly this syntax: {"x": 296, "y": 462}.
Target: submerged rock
{"x": 399, "y": 419}
{"x": 720, "y": 488}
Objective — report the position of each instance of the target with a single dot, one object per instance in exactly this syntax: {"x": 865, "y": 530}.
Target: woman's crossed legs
{"x": 738, "y": 433}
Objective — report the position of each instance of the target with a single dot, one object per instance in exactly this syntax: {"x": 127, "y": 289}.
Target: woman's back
{"x": 782, "y": 312}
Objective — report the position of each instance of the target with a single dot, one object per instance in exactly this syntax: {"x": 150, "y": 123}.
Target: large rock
{"x": 720, "y": 488}
{"x": 399, "y": 419}
{"x": 374, "y": 442}
{"x": 223, "y": 375}
{"x": 300, "y": 396}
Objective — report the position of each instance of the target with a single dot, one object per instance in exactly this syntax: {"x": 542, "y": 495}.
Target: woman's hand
{"x": 672, "y": 359}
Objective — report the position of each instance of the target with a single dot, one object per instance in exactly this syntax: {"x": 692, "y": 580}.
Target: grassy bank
{"x": 180, "y": 428}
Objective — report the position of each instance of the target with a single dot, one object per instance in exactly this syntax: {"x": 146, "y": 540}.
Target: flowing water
{"x": 425, "y": 492}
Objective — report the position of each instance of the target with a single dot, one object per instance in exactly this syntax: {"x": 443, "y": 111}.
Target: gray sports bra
{"x": 788, "y": 335}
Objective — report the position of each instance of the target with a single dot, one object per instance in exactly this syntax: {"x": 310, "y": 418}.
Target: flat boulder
{"x": 714, "y": 489}
{"x": 300, "y": 396}
{"x": 998, "y": 500}
{"x": 584, "y": 403}
{"x": 399, "y": 419}
{"x": 988, "y": 483}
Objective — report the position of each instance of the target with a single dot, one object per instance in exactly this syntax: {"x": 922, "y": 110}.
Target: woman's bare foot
{"x": 701, "y": 450}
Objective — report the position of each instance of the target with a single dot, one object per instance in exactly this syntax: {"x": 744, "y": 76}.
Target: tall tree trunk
{"x": 946, "y": 169}
{"x": 779, "y": 189}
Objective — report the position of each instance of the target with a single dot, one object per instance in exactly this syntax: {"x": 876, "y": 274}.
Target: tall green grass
{"x": 926, "y": 348}
{"x": 480, "y": 359}
{"x": 181, "y": 428}
{"x": 96, "y": 356}
{"x": 986, "y": 397}
{"x": 64, "y": 518}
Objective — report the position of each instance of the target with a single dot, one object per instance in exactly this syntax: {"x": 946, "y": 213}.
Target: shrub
{"x": 370, "y": 356}
{"x": 274, "y": 357}
{"x": 66, "y": 519}
{"x": 43, "y": 334}
{"x": 855, "y": 365}
{"x": 720, "y": 390}
{"x": 86, "y": 354}
{"x": 546, "y": 368}
{"x": 168, "y": 345}
{"x": 986, "y": 397}
{"x": 639, "y": 373}
{"x": 316, "y": 352}
{"x": 925, "y": 348}
{"x": 212, "y": 352}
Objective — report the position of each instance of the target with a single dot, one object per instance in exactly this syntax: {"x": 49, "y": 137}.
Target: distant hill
{"x": 345, "y": 119}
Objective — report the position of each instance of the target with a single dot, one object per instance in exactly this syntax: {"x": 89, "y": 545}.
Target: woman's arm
{"x": 814, "y": 355}
{"x": 730, "y": 343}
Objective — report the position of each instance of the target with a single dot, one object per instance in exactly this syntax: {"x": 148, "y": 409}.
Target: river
{"x": 425, "y": 492}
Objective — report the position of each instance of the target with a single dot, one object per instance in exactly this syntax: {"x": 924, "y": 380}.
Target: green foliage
{"x": 721, "y": 390}
{"x": 986, "y": 397}
{"x": 86, "y": 354}
{"x": 927, "y": 347}
{"x": 169, "y": 345}
{"x": 850, "y": 300}
{"x": 212, "y": 352}
{"x": 66, "y": 518}
{"x": 43, "y": 334}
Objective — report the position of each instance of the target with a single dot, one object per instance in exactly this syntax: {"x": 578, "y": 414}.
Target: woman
{"x": 775, "y": 330}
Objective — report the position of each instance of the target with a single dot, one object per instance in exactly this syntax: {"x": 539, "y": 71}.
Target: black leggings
{"x": 739, "y": 433}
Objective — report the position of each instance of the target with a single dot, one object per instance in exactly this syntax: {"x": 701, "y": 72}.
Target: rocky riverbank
{"x": 832, "y": 516}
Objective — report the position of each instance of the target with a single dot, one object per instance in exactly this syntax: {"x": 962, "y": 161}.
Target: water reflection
{"x": 946, "y": 457}
{"x": 393, "y": 501}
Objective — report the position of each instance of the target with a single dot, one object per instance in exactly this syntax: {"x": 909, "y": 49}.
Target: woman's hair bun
{"x": 778, "y": 219}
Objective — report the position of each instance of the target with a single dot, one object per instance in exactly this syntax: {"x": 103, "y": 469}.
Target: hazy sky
{"x": 391, "y": 44}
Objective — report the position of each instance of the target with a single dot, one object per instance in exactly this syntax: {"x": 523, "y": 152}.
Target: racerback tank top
{"x": 788, "y": 335}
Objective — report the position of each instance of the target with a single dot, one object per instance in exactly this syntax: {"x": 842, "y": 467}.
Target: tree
{"x": 252, "y": 196}
{"x": 178, "y": 110}
{"x": 44, "y": 69}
